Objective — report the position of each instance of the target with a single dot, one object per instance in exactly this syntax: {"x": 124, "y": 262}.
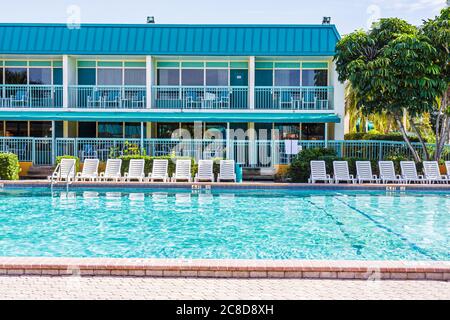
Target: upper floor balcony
{"x": 167, "y": 97}
{"x": 31, "y": 96}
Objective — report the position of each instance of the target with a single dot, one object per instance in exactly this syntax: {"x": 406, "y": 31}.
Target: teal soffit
{"x": 164, "y": 116}
{"x": 162, "y": 39}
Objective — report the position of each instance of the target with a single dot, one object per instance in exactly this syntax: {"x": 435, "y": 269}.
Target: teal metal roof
{"x": 164, "y": 116}
{"x": 159, "y": 39}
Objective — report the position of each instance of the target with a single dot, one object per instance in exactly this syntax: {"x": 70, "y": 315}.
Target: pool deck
{"x": 225, "y": 185}
{"x": 223, "y": 268}
{"x": 205, "y": 268}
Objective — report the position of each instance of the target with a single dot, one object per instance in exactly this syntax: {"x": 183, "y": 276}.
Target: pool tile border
{"x": 225, "y": 186}
{"x": 205, "y": 268}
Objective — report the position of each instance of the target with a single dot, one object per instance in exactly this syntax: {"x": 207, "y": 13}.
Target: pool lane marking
{"x": 337, "y": 222}
{"x": 414, "y": 246}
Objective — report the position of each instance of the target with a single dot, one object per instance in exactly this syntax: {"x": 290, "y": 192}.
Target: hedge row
{"x": 300, "y": 170}
{"x": 378, "y": 136}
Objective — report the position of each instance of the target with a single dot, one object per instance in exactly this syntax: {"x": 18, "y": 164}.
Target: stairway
{"x": 258, "y": 174}
{"x": 38, "y": 172}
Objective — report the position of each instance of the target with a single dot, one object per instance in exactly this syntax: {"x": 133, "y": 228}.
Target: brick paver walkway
{"x": 29, "y": 287}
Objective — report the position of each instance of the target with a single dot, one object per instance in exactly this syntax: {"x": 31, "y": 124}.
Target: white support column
{"x": 227, "y": 142}
{"x": 251, "y": 82}
{"x": 252, "y": 144}
{"x": 326, "y": 134}
{"x": 339, "y": 103}
{"x": 142, "y": 136}
{"x": 149, "y": 76}
{"x": 53, "y": 143}
{"x": 69, "y": 78}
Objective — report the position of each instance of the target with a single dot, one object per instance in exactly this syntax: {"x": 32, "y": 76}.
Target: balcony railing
{"x": 180, "y": 97}
{"x": 107, "y": 97}
{"x": 294, "y": 98}
{"x": 31, "y": 96}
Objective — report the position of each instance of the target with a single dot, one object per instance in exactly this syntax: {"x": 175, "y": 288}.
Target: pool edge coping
{"x": 224, "y": 185}
{"x": 228, "y": 268}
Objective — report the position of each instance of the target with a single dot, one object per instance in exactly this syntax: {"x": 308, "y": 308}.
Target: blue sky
{"x": 348, "y": 15}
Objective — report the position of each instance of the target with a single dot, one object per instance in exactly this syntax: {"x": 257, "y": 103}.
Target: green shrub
{"x": 77, "y": 161}
{"x": 9, "y": 166}
{"x": 299, "y": 170}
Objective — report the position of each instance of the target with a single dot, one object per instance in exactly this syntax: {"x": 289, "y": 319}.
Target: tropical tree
{"x": 395, "y": 70}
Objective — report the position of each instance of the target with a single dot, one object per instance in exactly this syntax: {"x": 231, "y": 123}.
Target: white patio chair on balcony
{"x": 409, "y": 172}
{"x": 64, "y": 171}
{"x": 112, "y": 99}
{"x": 182, "y": 171}
{"x": 90, "y": 170}
{"x": 208, "y": 100}
{"x": 205, "y": 171}
{"x": 223, "y": 99}
{"x": 387, "y": 172}
{"x": 19, "y": 99}
{"x": 342, "y": 173}
{"x": 364, "y": 172}
{"x": 319, "y": 172}
{"x": 135, "y": 170}
{"x": 309, "y": 100}
{"x": 159, "y": 170}
{"x": 94, "y": 99}
{"x": 138, "y": 100}
{"x": 432, "y": 173}
{"x": 112, "y": 171}
{"x": 227, "y": 171}
{"x": 286, "y": 99}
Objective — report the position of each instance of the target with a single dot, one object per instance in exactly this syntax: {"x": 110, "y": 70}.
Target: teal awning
{"x": 164, "y": 116}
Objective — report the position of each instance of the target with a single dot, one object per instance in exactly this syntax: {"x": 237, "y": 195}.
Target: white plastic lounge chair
{"x": 65, "y": 170}
{"x": 135, "y": 170}
{"x": 364, "y": 172}
{"x": 387, "y": 172}
{"x": 432, "y": 173}
{"x": 182, "y": 171}
{"x": 227, "y": 171}
{"x": 90, "y": 170}
{"x": 409, "y": 172}
{"x": 159, "y": 170}
{"x": 341, "y": 172}
{"x": 447, "y": 166}
{"x": 319, "y": 172}
{"x": 205, "y": 171}
{"x": 112, "y": 171}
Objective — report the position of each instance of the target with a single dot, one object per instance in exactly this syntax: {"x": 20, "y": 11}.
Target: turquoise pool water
{"x": 245, "y": 224}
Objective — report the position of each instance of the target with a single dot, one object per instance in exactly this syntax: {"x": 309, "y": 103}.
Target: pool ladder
{"x": 68, "y": 181}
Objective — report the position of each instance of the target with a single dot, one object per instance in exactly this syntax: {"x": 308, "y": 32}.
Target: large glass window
{"x": 109, "y": 77}
{"x": 133, "y": 129}
{"x": 87, "y": 129}
{"x": 314, "y": 78}
{"x": 15, "y": 76}
{"x": 1, "y": 76}
{"x": 216, "y": 77}
{"x": 16, "y": 129}
{"x": 110, "y": 130}
{"x": 263, "y": 78}
{"x": 164, "y": 130}
{"x": 168, "y": 77}
{"x": 2, "y": 128}
{"x": 192, "y": 77}
{"x": 41, "y": 129}
{"x": 215, "y": 130}
{"x": 134, "y": 77}
{"x": 313, "y": 131}
{"x": 288, "y": 131}
{"x": 40, "y": 75}
{"x": 287, "y": 78}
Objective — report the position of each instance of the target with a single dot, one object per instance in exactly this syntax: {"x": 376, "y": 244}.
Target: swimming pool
{"x": 225, "y": 224}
